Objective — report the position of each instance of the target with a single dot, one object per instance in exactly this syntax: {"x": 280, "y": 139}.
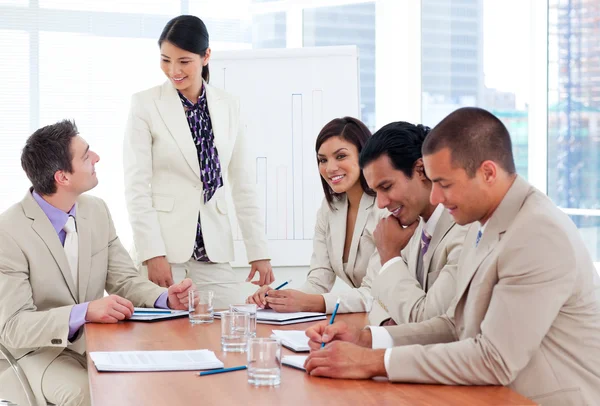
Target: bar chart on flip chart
{"x": 286, "y": 96}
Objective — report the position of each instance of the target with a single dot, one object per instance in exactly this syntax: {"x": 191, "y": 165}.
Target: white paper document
{"x": 142, "y": 361}
{"x": 295, "y": 340}
{"x": 294, "y": 361}
{"x": 270, "y": 316}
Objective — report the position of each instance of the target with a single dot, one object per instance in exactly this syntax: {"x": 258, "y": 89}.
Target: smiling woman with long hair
{"x": 186, "y": 165}
{"x": 343, "y": 245}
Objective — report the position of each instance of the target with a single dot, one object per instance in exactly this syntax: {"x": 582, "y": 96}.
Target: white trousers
{"x": 229, "y": 286}
{"x": 65, "y": 382}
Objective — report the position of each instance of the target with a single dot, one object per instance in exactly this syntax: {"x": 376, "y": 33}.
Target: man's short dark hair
{"x": 473, "y": 136}
{"x": 400, "y": 141}
{"x": 46, "y": 151}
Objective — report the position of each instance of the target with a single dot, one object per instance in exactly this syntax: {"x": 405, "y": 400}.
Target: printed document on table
{"x": 142, "y": 361}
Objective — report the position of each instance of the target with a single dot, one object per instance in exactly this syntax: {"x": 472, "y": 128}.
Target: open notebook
{"x": 270, "y": 316}
{"x": 144, "y": 361}
{"x": 295, "y": 340}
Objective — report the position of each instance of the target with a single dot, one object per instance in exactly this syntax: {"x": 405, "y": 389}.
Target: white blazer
{"x": 328, "y": 250}
{"x": 163, "y": 188}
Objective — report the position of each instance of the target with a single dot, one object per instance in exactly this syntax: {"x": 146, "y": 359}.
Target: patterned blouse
{"x": 210, "y": 167}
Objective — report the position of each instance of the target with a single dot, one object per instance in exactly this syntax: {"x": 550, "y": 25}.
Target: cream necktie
{"x": 72, "y": 247}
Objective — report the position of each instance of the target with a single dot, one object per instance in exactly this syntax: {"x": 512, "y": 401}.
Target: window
{"x": 348, "y": 25}
{"x": 574, "y": 114}
{"x": 84, "y": 59}
{"x": 269, "y": 30}
{"x": 67, "y": 59}
{"x": 165, "y": 7}
{"x": 15, "y": 111}
{"x": 456, "y": 71}
{"x": 90, "y": 79}
{"x": 18, "y": 3}
{"x": 233, "y": 25}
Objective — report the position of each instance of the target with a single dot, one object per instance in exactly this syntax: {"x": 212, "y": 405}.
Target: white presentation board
{"x": 286, "y": 96}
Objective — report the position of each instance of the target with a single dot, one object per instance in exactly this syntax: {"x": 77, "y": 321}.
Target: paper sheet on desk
{"x": 143, "y": 361}
{"x": 295, "y": 340}
{"x": 294, "y": 361}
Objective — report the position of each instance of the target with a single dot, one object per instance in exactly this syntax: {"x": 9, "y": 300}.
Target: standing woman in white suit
{"x": 185, "y": 159}
{"x": 343, "y": 245}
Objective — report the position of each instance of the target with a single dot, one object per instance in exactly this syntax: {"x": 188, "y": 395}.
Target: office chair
{"x": 19, "y": 373}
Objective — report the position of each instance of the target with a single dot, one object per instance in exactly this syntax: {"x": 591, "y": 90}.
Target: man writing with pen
{"x": 527, "y": 310}
{"x": 242, "y": 367}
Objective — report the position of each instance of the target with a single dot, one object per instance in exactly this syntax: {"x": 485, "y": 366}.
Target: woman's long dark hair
{"x": 353, "y": 131}
{"x": 190, "y": 34}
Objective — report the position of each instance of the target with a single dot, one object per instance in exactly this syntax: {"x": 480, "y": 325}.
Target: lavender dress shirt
{"x": 58, "y": 219}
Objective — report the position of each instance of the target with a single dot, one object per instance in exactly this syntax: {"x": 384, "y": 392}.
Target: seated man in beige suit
{"x": 527, "y": 314}
{"x": 58, "y": 253}
{"x": 421, "y": 282}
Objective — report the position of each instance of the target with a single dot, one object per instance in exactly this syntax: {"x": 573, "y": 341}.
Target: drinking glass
{"x": 200, "y": 305}
{"x": 264, "y": 361}
{"x": 234, "y": 331}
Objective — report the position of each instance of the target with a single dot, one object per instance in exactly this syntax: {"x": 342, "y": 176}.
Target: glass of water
{"x": 200, "y": 305}
{"x": 264, "y": 361}
{"x": 251, "y": 310}
{"x": 234, "y": 331}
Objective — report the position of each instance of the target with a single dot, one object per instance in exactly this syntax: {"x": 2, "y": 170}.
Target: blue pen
{"x": 281, "y": 286}
{"x": 219, "y": 371}
{"x": 337, "y": 306}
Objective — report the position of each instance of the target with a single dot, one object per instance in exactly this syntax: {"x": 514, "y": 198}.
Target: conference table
{"x": 232, "y": 388}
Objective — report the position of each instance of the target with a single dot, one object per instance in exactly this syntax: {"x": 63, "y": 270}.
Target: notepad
{"x": 151, "y": 310}
{"x": 144, "y": 361}
{"x": 270, "y": 316}
{"x": 294, "y": 361}
{"x": 151, "y": 314}
{"x": 295, "y": 340}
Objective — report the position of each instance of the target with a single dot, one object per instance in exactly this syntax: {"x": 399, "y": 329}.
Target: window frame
{"x": 392, "y": 76}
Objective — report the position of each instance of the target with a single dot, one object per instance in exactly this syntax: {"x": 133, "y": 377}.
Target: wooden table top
{"x": 232, "y": 388}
